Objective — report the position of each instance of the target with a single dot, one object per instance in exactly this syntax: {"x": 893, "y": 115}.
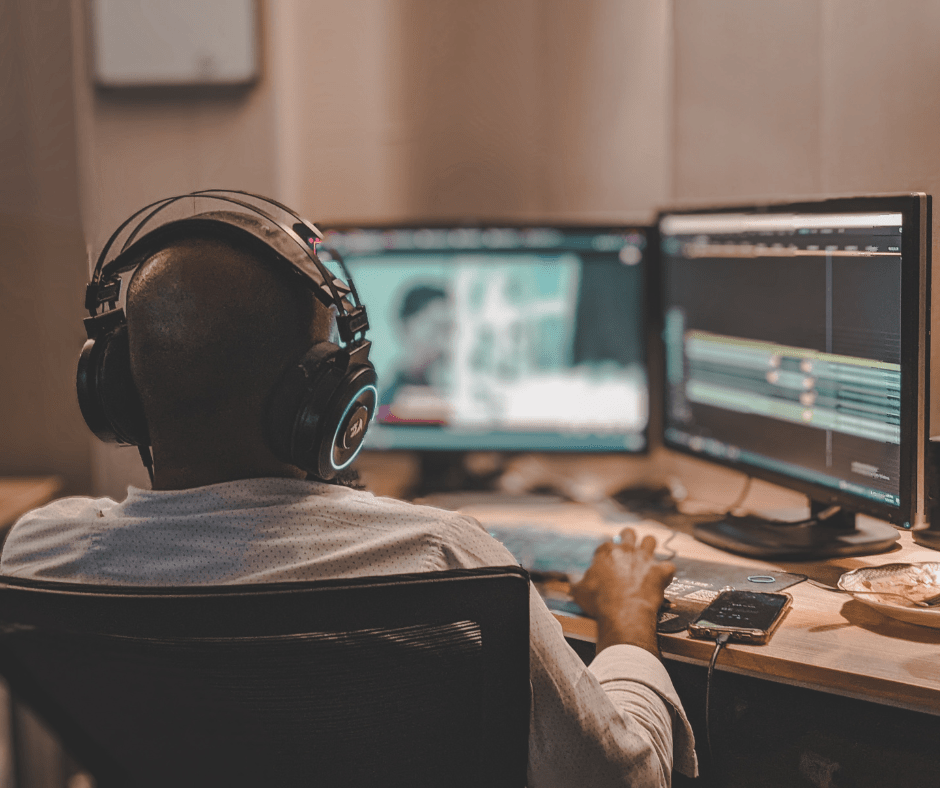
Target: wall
{"x": 136, "y": 146}
{"x": 808, "y": 97}
{"x": 340, "y": 130}
{"x": 42, "y": 262}
{"x": 412, "y": 109}
{"x": 74, "y": 162}
{"x": 606, "y": 70}
{"x": 747, "y": 99}
{"x": 804, "y": 98}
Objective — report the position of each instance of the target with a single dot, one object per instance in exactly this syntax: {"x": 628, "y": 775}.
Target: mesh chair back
{"x": 417, "y": 680}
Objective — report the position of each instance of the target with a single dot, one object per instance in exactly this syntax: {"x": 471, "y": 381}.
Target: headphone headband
{"x": 105, "y": 285}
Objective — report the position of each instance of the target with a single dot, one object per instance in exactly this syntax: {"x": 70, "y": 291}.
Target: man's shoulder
{"x": 56, "y": 527}
{"x": 457, "y": 533}
{"x": 63, "y": 511}
{"x": 408, "y": 508}
{"x": 397, "y": 510}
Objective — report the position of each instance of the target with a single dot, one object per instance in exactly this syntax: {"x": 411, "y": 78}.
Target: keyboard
{"x": 542, "y": 550}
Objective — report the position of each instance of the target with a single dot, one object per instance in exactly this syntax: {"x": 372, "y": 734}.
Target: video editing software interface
{"x": 783, "y": 344}
{"x": 504, "y": 338}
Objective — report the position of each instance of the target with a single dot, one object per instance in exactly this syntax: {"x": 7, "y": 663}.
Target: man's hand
{"x": 623, "y": 590}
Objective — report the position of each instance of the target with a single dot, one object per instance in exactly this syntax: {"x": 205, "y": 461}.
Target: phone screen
{"x": 743, "y": 609}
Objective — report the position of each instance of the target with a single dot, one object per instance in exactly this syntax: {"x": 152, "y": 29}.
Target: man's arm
{"x": 622, "y": 590}
{"x": 618, "y": 722}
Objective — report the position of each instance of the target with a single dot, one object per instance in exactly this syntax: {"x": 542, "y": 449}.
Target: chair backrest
{"x": 417, "y": 680}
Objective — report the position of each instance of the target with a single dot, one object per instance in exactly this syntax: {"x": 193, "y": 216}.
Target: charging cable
{"x": 722, "y": 639}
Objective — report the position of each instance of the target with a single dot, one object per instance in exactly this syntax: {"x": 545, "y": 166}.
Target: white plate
{"x": 905, "y": 582}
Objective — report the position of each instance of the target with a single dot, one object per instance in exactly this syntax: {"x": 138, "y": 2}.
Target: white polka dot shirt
{"x": 618, "y": 722}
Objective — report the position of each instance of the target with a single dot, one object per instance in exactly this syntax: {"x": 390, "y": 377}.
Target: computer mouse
{"x": 642, "y": 497}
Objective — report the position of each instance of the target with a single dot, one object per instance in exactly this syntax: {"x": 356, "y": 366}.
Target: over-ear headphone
{"x": 318, "y": 411}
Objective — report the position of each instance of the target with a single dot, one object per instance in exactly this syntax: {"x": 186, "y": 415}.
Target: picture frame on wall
{"x": 174, "y": 43}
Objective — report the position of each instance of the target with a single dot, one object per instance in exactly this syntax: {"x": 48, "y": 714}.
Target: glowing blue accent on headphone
{"x": 343, "y": 421}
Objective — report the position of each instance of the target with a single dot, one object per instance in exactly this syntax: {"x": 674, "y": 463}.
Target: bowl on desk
{"x": 907, "y": 592}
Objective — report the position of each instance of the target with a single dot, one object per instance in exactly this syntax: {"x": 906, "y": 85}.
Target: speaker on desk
{"x": 930, "y": 536}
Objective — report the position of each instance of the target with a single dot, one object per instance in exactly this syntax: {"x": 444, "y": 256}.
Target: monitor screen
{"x": 504, "y": 338}
{"x": 794, "y": 346}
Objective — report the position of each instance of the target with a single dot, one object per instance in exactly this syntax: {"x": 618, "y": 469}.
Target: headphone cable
{"x": 147, "y": 458}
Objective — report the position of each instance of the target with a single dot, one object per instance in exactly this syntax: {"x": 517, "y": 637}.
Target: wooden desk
{"x": 19, "y": 495}
{"x": 828, "y": 642}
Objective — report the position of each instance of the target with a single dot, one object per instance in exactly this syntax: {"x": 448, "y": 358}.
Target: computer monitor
{"x": 505, "y": 338}
{"x": 796, "y": 351}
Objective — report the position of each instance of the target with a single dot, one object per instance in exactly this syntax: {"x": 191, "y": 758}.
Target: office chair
{"x": 403, "y": 680}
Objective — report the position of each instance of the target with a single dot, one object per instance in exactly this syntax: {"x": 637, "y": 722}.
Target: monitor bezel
{"x": 649, "y": 295}
{"x": 915, "y": 209}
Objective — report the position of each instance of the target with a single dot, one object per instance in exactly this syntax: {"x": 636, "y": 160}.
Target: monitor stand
{"x": 930, "y": 537}
{"x": 447, "y": 472}
{"x": 816, "y": 538}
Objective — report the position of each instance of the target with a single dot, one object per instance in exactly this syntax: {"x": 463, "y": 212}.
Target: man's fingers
{"x": 627, "y": 538}
{"x": 648, "y": 546}
{"x": 667, "y": 572}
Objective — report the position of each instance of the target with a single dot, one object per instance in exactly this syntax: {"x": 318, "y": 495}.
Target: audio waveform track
{"x": 852, "y": 396}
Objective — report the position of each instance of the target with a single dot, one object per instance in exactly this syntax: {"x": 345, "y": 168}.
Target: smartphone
{"x": 747, "y": 616}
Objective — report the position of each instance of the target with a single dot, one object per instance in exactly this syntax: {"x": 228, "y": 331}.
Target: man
{"x": 211, "y": 325}
{"x": 426, "y": 331}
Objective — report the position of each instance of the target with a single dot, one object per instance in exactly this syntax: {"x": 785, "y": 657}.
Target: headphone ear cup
{"x": 86, "y": 381}
{"x": 341, "y": 426}
{"x": 288, "y": 397}
{"x": 107, "y": 394}
{"x": 319, "y": 410}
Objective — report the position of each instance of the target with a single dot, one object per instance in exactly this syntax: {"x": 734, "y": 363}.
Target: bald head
{"x": 212, "y": 323}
